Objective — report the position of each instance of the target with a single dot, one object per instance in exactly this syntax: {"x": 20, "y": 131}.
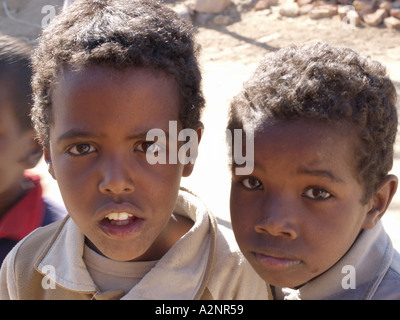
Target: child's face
{"x": 15, "y": 145}
{"x": 300, "y": 210}
{"x": 97, "y": 154}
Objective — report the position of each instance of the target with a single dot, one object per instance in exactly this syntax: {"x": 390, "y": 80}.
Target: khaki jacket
{"x": 204, "y": 264}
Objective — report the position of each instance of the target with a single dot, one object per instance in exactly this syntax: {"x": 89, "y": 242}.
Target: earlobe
{"x": 188, "y": 169}
{"x": 381, "y": 201}
{"x": 47, "y": 159}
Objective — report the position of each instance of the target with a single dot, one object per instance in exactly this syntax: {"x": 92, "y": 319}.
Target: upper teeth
{"x": 118, "y": 216}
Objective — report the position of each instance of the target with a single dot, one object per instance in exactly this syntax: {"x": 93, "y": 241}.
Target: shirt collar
{"x": 369, "y": 259}
{"x": 184, "y": 264}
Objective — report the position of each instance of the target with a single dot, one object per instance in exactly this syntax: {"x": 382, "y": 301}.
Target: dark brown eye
{"x": 251, "y": 183}
{"x": 317, "y": 194}
{"x": 149, "y": 146}
{"x": 81, "y": 149}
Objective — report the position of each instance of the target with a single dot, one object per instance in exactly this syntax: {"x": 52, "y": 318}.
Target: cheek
{"x": 74, "y": 180}
{"x": 159, "y": 184}
{"x": 244, "y": 213}
{"x": 77, "y": 184}
{"x": 329, "y": 239}
{"x": 12, "y": 151}
{"x": 235, "y": 206}
{"x": 11, "y": 165}
{"x": 165, "y": 176}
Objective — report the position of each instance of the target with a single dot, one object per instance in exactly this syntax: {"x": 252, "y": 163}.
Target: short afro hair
{"x": 121, "y": 34}
{"x": 322, "y": 82}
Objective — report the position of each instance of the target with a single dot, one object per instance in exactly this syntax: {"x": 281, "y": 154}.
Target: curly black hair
{"x": 327, "y": 83}
{"x": 120, "y": 34}
{"x": 15, "y": 70}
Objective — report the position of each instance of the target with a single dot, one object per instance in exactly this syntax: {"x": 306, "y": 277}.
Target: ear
{"x": 47, "y": 158}
{"x": 380, "y": 201}
{"x": 188, "y": 168}
{"x": 34, "y": 150}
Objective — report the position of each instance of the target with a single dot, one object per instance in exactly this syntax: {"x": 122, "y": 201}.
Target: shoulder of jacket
{"x": 232, "y": 276}
{"x": 226, "y": 243}
{"x": 36, "y": 244}
{"x": 389, "y": 287}
{"x": 18, "y": 269}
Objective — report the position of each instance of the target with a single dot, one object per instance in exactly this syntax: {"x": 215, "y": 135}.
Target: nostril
{"x": 274, "y": 228}
{"x": 287, "y": 234}
{"x": 116, "y": 187}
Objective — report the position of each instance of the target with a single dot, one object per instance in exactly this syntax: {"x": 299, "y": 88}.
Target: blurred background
{"x": 234, "y": 35}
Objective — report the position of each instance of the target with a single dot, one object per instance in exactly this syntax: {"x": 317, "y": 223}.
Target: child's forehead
{"x": 100, "y": 96}
{"x": 305, "y": 125}
{"x": 292, "y": 148}
{"x": 95, "y": 76}
{"x": 305, "y": 134}
{"x": 99, "y": 74}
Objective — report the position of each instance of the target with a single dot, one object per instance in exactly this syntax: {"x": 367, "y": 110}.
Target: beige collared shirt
{"x": 205, "y": 263}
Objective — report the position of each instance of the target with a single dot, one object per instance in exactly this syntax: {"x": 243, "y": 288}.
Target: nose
{"x": 116, "y": 178}
{"x": 278, "y": 219}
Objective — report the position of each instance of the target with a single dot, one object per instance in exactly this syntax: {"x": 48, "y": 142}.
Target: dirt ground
{"x": 229, "y": 54}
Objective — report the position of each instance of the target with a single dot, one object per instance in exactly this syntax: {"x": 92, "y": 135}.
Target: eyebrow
{"x": 75, "y": 134}
{"x": 320, "y": 173}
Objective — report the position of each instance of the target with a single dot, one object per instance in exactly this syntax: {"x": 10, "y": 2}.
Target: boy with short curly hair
{"x": 308, "y": 217}
{"x": 106, "y": 73}
{"x": 23, "y": 207}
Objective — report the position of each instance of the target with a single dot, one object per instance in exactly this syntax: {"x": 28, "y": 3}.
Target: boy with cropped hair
{"x": 308, "y": 217}
{"x": 22, "y": 205}
{"x": 106, "y": 73}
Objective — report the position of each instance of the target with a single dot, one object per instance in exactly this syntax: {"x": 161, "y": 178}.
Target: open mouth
{"x": 119, "y": 219}
{"x": 120, "y": 225}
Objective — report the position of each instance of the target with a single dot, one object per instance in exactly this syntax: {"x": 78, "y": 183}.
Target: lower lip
{"x": 121, "y": 229}
{"x": 274, "y": 263}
